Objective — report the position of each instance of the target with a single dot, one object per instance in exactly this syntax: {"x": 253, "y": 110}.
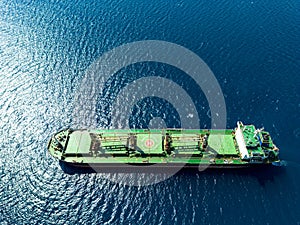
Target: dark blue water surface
{"x": 251, "y": 46}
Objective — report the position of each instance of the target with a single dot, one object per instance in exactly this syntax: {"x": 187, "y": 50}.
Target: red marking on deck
{"x": 149, "y": 143}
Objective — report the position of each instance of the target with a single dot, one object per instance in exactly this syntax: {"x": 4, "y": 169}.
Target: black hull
{"x": 73, "y": 168}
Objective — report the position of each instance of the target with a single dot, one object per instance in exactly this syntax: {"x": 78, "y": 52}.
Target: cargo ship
{"x": 243, "y": 146}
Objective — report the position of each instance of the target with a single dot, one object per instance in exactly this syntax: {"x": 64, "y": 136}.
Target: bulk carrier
{"x": 244, "y": 146}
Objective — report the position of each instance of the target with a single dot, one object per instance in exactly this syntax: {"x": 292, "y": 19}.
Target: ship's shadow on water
{"x": 263, "y": 174}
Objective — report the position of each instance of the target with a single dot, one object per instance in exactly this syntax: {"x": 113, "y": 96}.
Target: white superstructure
{"x": 240, "y": 141}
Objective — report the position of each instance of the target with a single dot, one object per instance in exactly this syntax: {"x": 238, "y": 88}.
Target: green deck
{"x": 163, "y": 146}
{"x": 222, "y": 144}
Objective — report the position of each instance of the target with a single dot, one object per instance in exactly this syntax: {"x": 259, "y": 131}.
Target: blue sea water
{"x": 253, "y": 49}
